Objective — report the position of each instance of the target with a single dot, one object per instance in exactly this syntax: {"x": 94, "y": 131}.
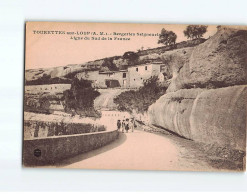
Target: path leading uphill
{"x": 105, "y": 100}
{"x": 139, "y": 150}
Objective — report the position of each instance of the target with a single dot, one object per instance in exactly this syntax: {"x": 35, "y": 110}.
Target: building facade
{"x": 51, "y": 88}
{"x": 138, "y": 74}
{"x": 132, "y": 77}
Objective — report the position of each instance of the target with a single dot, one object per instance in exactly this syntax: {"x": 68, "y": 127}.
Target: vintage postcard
{"x": 135, "y": 96}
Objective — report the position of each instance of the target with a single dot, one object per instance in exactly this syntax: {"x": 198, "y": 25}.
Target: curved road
{"x": 138, "y": 151}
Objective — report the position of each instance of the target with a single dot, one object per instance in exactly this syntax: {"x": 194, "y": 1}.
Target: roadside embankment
{"x": 206, "y": 99}
{"x": 208, "y": 116}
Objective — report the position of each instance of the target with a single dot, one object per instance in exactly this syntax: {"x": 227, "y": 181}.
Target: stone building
{"x": 132, "y": 77}
{"x": 51, "y": 88}
{"x": 139, "y": 73}
{"x": 106, "y": 79}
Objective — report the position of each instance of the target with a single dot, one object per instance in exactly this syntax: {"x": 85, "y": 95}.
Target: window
{"x": 146, "y": 68}
{"x": 124, "y": 75}
{"x": 136, "y": 69}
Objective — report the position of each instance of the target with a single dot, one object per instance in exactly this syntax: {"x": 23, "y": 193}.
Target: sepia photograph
{"x": 134, "y": 96}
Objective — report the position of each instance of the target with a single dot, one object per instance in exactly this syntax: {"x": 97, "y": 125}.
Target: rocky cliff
{"x": 215, "y": 116}
{"x": 206, "y": 100}
{"x": 218, "y": 62}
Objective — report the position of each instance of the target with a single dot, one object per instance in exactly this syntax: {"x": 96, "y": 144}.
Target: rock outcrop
{"x": 206, "y": 100}
{"x": 215, "y": 116}
{"x": 221, "y": 61}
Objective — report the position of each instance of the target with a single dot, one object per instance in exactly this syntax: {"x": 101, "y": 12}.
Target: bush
{"x": 46, "y": 79}
{"x": 131, "y": 57}
{"x": 141, "y": 99}
{"x": 80, "y": 97}
{"x": 108, "y": 62}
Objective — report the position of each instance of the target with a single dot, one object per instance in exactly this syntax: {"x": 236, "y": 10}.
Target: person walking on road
{"x": 127, "y": 125}
{"x": 132, "y": 124}
{"x": 118, "y": 125}
{"x": 123, "y": 126}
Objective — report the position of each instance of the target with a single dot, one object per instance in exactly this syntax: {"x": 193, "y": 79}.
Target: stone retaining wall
{"x": 48, "y": 151}
{"x": 34, "y": 129}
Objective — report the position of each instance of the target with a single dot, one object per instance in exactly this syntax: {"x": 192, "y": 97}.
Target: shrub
{"x": 108, "y": 62}
{"x": 131, "y": 57}
{"x": 46, "y": 79}
{"x": 141, "y": 99}
{"x": 80, "y": 97}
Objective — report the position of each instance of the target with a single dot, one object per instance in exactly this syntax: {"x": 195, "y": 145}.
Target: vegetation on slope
{"x": 141, "y": 99}
{"x": 40, "y": 103}
{"x": 80, "y": 98}
{"x": 46, "y": 79}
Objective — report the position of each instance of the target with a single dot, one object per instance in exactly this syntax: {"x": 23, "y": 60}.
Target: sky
{"x": 59, "y": 48}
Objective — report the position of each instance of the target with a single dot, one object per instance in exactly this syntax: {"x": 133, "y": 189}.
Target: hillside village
{"x": 112, "y": 72}
{"x": 133, "y": 77}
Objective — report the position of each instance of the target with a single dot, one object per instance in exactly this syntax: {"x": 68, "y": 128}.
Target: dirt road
{"x": 139, "y": 150}
{"x": 105, "y": 100}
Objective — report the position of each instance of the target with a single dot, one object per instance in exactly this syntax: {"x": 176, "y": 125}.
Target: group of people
{"x": 126, "y": 125}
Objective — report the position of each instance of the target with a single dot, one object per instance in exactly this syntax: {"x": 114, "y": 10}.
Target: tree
{"x": 44, "y": 103}
{"x": 109, "y": 64}
{"x": 81, "y": 95}
{"x": 140, "y": 100}
{"x": 167, "y": 37}
{"x": 131, "y": 57}
{"x": 195, "y": 31}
